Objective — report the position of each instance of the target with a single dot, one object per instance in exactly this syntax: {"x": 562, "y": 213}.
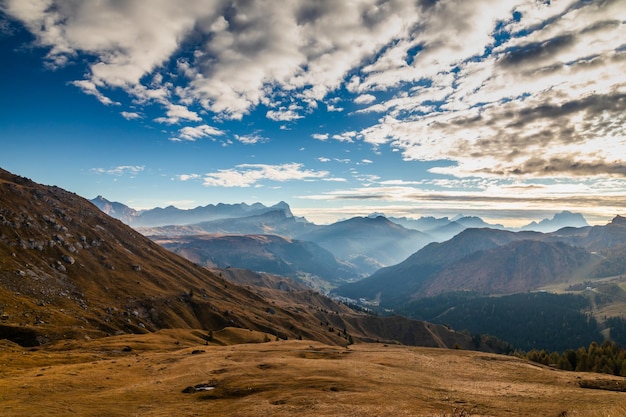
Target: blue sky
{"x": 510, "y": 110}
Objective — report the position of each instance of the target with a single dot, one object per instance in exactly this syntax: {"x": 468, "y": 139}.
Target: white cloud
{"x": 129, "y": 115}
{"x": 247, "y": 175}
{"x": 283, "y": 115}
{"x": 197, "y": 132}
{"x": 239, "y": 48}
{"x": 550, "y": 104}
{"x": 346, "y": 136}
{"x": 188, "y": 177}
{"x": 365, "y": 99}
{"x": 251, "y": 139}
{"x": 537, "y": 94}
{"x": 333, "y": 108}
{"x": 320, "y": 136}
{"x": 175, "y": 113}
{"x": 90, "y": 88}
{"x": 131, "y": 170}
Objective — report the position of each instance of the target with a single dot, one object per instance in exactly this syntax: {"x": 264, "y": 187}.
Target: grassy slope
{"x": 283, "y": 378}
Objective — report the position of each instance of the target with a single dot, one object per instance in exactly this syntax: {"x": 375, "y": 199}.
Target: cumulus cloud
{"x": 193, "y": 133}
{"x": 333, "y": 108}
{"x": 320, "y": 136}
{"x": 130, "y": 115}
{"x": 247, "y": 175}
{"x": 554, "y": 89}
{"x": 346, "y": 136}
{"x": 175, "y": 113}
{"x": 365, "y": 99}
{"x": 239, "y": 48}
{"x": 501, "y": 88}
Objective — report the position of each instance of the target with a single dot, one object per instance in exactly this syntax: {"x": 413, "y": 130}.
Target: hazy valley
{"x": 401, "y": 265}
{"x": 91, "y": 307}
{"x": 313, "y": 208}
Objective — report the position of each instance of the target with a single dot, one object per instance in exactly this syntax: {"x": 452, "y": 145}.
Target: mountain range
{"x": 558, "y": 221}
{"x": 370, "y": 242}
{"x": 277, "y": 221}
{"x": 174, "y": 216}
{"x": 492, "y": 261}
{"x": 301, "y": 260}
{"x": 93, "y": 313}
{"x": 70, "y": 271}
{"x": 439, "y": 229}
{"x": 367, "y": 244}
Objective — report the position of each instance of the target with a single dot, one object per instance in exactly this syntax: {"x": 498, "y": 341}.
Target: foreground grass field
{"x": 177, "y": 373}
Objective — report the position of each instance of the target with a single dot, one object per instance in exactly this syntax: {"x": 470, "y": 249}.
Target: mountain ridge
{"x": 301, "y": 260}
{"x": 558, "y": 221}
{"x": 494, "y": 262}
{"x": 70, "y": 271}
{"x": 172, "y": 215}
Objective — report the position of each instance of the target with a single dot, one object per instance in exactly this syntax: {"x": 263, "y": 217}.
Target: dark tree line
{"x": 527, "y": 321}
{"x": 607, "y": 358}
{"x": 618, "y": 330}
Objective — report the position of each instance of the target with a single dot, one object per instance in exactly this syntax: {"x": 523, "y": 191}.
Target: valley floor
{"x": 145, "y": 375}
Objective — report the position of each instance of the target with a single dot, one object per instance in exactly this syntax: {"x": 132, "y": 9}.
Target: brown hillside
{"x": 291, "y": 296}
{"x": 68, "y": 270}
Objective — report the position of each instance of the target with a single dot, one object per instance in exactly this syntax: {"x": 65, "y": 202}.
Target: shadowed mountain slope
{"x": 376, "y": 238}
{"x": 68, "y": 270}
{"x": 516, "y": 267}
{"x": 365, "y": 242}
{"x": 482, "y": 260}
{"x": 268, "y": 253}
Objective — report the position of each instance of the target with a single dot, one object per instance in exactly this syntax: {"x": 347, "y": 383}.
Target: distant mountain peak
{"x": 281, "y": 205}
{"x": 171, "y": 215}
{"x": 559, "y": 220}
{"x": 619, "y": 220}
{"x": 376, "y": 214}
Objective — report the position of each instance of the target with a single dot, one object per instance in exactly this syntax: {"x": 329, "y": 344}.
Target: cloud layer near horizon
{"x": 515, "y": 89}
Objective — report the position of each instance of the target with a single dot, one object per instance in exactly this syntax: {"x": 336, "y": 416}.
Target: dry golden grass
{"x": 145, "y": 375}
